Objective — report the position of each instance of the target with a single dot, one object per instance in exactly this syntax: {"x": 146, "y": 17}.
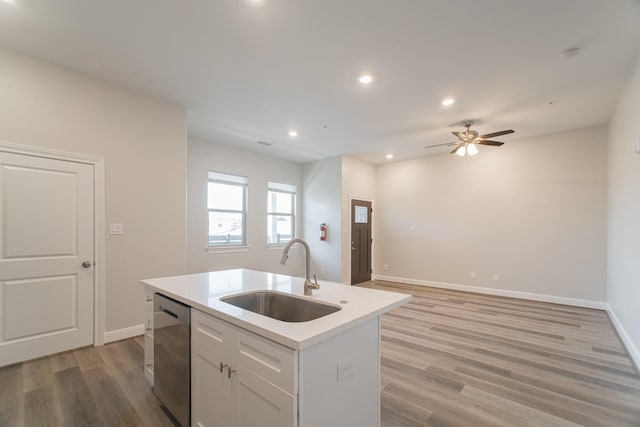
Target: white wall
{"x": 321, "y": 203}
{"x": 358, "y": 182}
{"x": 143, "y": 142}
{"x": 623, "y": 261}
{"x": 533, "y": 211}
{"x": 204, "y": 156}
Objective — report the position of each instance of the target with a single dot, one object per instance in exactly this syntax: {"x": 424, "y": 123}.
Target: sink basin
{"x": 281, "y": 306}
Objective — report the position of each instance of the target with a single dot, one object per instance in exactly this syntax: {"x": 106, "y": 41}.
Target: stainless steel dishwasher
{"x": 171, "y": 349}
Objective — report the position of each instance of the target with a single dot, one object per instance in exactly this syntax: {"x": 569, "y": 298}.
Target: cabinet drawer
{"x": 272, "y": 361}
{"x": 216, "y": 334}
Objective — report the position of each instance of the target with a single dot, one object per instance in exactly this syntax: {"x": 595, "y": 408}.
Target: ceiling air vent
{"x": 265, "y": 143}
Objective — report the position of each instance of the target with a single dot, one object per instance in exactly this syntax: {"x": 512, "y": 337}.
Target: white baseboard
{"x": 626, "y": 340}
{"x": 122, "y": 334}
{"x": 576, "y": 302}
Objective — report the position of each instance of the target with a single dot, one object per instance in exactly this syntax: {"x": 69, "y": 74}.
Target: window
{"x": 281, "y": 207}
{"x": 227, "y": 204}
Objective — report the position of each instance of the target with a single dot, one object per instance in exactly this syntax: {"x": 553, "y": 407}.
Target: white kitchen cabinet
{"x": 148, "y": 336}
{"x": 211, "y": 393}
{"x": 238, "y": 378}
{"x": 260, "y": 403}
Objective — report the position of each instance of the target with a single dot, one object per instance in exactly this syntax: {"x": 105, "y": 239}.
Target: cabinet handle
{"x": 148, "y": 299}
{"x": 149, "y": 365}
{"x": 230, "y": 371}
{"x": 222, "y": 366}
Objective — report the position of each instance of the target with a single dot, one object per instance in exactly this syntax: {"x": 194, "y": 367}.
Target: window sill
{"x": 226, "y": 249}
{"x": 275, "y": 246}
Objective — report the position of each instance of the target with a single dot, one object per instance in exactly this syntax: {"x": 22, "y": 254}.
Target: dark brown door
{"x": 360, "y": 241}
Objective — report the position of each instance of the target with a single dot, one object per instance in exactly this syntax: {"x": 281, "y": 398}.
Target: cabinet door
{"x": 261, "y": 404}
{"x": 211, "y": 394}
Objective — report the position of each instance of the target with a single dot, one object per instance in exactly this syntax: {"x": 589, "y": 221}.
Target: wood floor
{"x": 459, "y": 359}
{"x": 448, "y": 359}
{"x": 94, "y": 386}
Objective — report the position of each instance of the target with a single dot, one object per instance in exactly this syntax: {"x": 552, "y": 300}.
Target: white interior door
{"x": 46, "y": 221}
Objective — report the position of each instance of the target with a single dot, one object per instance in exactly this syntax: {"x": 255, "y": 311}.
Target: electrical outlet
{"x": 473, "y": 275}
{"x": 385, "y": 267}
{"x": 412, "y": 228}
{"x": 496, "y": 277}
{"x": 321, "y": 270}
{"x": 344, "y": 369}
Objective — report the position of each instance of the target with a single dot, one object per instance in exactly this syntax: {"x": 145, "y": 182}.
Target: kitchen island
{"x": 249, "y": 369}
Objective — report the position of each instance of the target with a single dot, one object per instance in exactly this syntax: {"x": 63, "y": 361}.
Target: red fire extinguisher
{"x": 323, "y": 231}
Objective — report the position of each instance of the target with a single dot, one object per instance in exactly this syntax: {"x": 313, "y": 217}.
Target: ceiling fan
{"x": 469, "y": 138}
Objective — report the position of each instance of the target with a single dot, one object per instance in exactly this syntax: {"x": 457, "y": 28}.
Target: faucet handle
{"x": 315, "y": 280}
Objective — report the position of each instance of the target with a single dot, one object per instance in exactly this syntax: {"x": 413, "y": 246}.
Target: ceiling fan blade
{"x": 494, "y": 134}
{"x": 456, "y": 147}
{"x": 440, "y": 145}
{"x": 486, "y": 142}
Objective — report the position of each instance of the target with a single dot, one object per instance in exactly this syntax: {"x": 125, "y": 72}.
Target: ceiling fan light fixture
{"x": 462, "y": 150}
{"x": 365, "y": 79}
{"x": 472, "y": 150}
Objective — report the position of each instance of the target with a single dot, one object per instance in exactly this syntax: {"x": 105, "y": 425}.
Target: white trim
{"x": 32, "y": 150}
{"x": 124, "y": 333}
{"x": 276, "y": 246}
{"x": 576, "y": 302}
{"x": 226, "y": 249}
{"x": 624, "y": 337}
{"x": 99, "y": 277}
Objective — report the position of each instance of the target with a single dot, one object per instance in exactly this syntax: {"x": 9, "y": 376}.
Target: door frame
{"x": 98, "y": 164}
{"x": 348, "y": 241}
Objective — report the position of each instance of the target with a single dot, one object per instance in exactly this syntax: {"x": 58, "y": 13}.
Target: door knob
{"x": 87, "y": 264}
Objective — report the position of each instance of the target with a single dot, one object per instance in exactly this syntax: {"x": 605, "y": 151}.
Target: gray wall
{"x": 143, "y": 142}
{"x": 321, "y": 203}
{"x": 204, "y": 156}
{"x": 533, "y": 211}
{"x": 623, "y": 274}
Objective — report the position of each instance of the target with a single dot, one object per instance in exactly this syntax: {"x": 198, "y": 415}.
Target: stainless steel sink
{"x": 281, "y": 306}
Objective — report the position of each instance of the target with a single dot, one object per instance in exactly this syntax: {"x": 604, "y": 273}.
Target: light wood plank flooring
{"x": 448, "y": 359}
{"x": 452, "y": 358}
{"x": 94, "y": 386}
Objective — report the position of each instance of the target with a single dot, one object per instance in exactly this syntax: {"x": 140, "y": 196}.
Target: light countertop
{"x": 203, "y": 291}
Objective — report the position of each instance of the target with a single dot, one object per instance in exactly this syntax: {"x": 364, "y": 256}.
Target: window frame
{"x": 235, "y": 181}
{"x": 281, "y": 188}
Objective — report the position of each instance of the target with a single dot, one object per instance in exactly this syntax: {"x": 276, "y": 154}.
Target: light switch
{"x": 636, "y": 146}
{"x": 116, "y": 229}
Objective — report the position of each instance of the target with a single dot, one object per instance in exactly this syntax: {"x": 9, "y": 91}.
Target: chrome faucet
{"x": 308, "y": 284}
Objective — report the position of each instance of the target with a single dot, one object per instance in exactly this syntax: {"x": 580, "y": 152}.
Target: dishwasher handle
{"x": 168, "y": 307}
{"x": 170, "y": 313}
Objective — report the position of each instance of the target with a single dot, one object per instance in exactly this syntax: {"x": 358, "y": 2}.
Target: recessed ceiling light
{"x": 389, "y": 156}
{"x": 365, "y": 79}
{"x": 293, "y": 133}
{"x": 447, "y": 102}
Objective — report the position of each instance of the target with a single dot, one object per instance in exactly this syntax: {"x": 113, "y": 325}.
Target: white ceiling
{"x": 248, "y": 73}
